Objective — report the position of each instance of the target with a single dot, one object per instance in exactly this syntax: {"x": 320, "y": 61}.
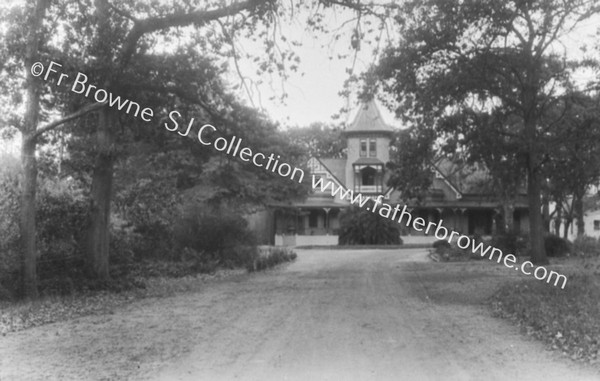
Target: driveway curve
{"x": 331, "y": 315}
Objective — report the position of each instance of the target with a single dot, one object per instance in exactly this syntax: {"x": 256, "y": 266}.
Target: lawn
{"x": 566, "y": 319}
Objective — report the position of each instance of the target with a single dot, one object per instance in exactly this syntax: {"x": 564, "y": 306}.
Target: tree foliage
{"x": 573, "y": 164}
{"x": 457, "y": 61}
{"x": 359, "y": 226}
{"x": 319, "y": 140}
{"x": 410, "y": 163}
{"x": 164, "y": 55}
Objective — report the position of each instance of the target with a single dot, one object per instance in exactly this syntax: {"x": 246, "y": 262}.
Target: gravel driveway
{"x": 331, "y": 315}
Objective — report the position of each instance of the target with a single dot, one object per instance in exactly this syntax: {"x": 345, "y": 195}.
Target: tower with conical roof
{"x": 368, "y": 139}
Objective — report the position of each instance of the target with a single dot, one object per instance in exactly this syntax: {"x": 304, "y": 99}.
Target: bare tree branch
{"x": 79, "y": 113}
{"x": 153, "y": 24}
{"x": 235, "y": 61}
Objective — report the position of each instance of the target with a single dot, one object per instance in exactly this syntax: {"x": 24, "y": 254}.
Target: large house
{"x": 452, "y": 197}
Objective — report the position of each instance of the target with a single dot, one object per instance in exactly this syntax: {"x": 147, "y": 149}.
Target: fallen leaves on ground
{"x": 26, "y": 314}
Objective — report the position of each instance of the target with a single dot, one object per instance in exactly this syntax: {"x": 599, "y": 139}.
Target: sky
{"x": 313, "y": 96}
{"x": 313, "y": 91}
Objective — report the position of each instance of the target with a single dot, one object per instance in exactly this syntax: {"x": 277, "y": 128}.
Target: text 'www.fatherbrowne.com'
{"x": 402, "y": 215}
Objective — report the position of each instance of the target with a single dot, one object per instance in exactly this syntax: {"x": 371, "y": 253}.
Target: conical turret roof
{"x": 368, "y": 119}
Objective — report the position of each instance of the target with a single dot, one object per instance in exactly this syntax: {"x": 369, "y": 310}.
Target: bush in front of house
{"x": 441, "y": 244}
{"x": 556, "y": 246}
{"x": 450, "y": 252}
{"x": 586, "y": 246}
{"x": 511, "y": 243}
{"x": 221, "y": 236}
{"x": 359, "y": 226}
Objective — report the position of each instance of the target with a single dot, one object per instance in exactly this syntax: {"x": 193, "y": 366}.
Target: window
{"x": 368, "y": 176}
{"x": 363, "y": 147}
{"x": 372, "y": 148}
{"x": 596, "y": 224}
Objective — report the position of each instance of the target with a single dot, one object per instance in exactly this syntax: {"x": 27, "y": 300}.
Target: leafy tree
{"x": 410, "y": 162}
{"x": 484, "y": 135}
{"x": 457, "y": 57}
{"x": 26, "y": 41}
{"x": 319, "y": 140}
{"x": 122, "y": 45}
{"x": 115, "y": 45}
{"x": 574, "y": 163}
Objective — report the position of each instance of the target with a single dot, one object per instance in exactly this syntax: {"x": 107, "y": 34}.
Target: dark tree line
{"x": 493, "y": 81}
{"x": 166, "y": 55}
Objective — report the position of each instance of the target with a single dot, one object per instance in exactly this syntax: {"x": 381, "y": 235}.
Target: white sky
{"x": 313, "y": 91}
{"x": 314, "y": 96}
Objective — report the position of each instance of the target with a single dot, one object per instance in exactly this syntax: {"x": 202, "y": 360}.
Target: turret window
{"x": 372, "y": 148}
{"x": 363, "y": 147}
{"x": 368, "y": 147}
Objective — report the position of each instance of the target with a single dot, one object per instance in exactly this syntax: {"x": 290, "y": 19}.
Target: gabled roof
{"x": 368, "y": 119}
{"x": 337, "y": 168}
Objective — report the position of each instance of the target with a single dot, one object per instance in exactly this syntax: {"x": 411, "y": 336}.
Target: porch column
{"x": 326, "y": 222}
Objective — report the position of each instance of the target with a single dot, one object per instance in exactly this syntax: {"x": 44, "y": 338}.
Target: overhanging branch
{"x": 153, "y": 24}
{"x": 77, "y": 114}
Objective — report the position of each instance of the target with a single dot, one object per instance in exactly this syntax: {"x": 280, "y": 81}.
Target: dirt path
{"x": 332, "y": 315}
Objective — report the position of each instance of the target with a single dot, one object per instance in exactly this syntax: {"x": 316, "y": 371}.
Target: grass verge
{"x": 566, "y": 319}
{"x": 152, "y": 279}
{"x": 16, "y": 316}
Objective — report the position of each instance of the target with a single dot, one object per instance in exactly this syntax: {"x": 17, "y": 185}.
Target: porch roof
{"x": 368, "y": 161}
{"x": 463, "y": 204}
{"x": 315, "y": 203}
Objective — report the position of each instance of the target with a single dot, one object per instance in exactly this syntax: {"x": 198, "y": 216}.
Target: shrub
{"x": 61, "y": 216}
{"x": 586, "y": 246}
{"x": 153, "y": 240}
{"x": 556, "y": 246}
{"x": 510, "y": 243}
{"x": 61, "y": 219}
{"x": 272, "y": 257}
{"x": 359, "y": 226}
{"x": 10, "y": 261}
{"x": 453, "y": 253}
{"x": 222, "y": 236}
{"x": 441, "y": 244}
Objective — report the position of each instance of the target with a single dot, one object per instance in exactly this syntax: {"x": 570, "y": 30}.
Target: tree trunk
{"x": 546, "y": 214}
{"x": 578, "y": 206}
{"x": 100, "y": 197}
{"x": 557, "y": 220}
{"x": 534, "y": 190}
{"x": 28, "y": 222}
{"x": 508, "y": 217}
{"x": 567, "y": 227}
{"x": 29, "y": 161}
